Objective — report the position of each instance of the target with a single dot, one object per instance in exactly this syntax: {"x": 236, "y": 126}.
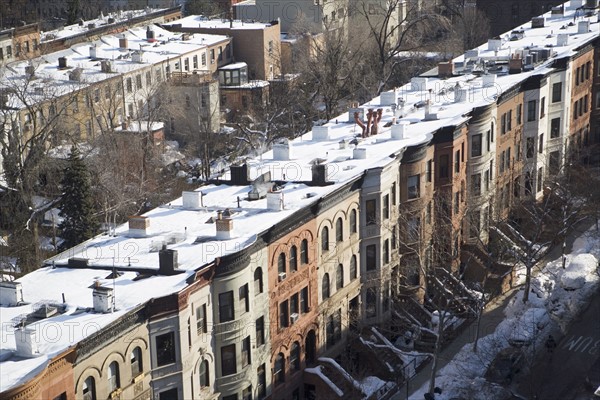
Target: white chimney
{"x": 224, "y": 226}
{"x": 400, "y": 130}
{"x": 575, "y": 4}
{"x": 275, "y": 201}
{"x": 494, "y": 44}
{"x": 11, "y": 293}
{"x": 489, "y": 80}
{"x": 320, "y": 133}
{"x": 388, "y": 98}
{"x": 583, "y": 27}
{"x": 562, "y": 39}
{"x": 103, "y": 299}
{"x": 191, "y": 200}
{"x": 418, "y": 83}
{"x": 93, "y": 51}
{"x": 137, "y": 56}
{"x": 353, "y": 110}
{"x": 429, "y": 115}
{"x": 26, "y": 342}
{"x": 281, "y": 150}
{"x": 139, "y": 226}
{"x": 359, "y": 153}
{"x": 473, "y": 53}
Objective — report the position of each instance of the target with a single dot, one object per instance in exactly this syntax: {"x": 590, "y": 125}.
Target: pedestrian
{"x": 550, "y": 344}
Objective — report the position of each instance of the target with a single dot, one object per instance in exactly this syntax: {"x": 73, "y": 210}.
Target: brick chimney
{"x": 139, "y": 226}
{"x": 224, "y": 226}
{"x": 103, "y": 299}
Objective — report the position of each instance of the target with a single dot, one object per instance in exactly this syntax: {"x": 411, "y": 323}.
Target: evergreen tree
{"x": 76, "y": 205}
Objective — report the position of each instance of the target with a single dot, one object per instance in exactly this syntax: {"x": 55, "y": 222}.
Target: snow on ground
{"x": 558, "y": 296}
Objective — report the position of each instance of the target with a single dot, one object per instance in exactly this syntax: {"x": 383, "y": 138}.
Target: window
{"x": 371, "y": 257}
{"x": 304, "y": 251}
{"x": 9, "y": 55}
{"x": 228, "y": 364}
{"x": 554, "y": 162}
{"x": 371, "y": 212}
{"x": 557, "y": 92}
{"x": 508, "y": 160}
{"x": 170, "y": 394}
{"x": 476, "y": 185}
{"x": 325, "y": 238}
{"x": 226, "y": 306}
{"x": 554, "y": 128}
{"x": 386, "y": 296}
{"x": 203, "y": 58}
{"x": 456, "y": 202}
{"x": 295, "y": 357}
{"x": 500, "y": 166}
{"x": 212, "y": 56}
{"x": 246, "y": 356}
{"x": 339, "y": 277}
{"x": 519, "y": 114}
{"x": 293, "y": 258}
{"x": 540, "y": 177}
{"x": 475, "y": 220}
{"x": 476, "y": 145}
{"x": 394, "y": 193}
{"x": 165, "y": 349}
{"x": 413, "y": 187}
{"x": 325, "y": 287}
{"x": 148, "y": 78}
{"x": 386, "y": 206}
{"x": 517, "y": 187}
{"x": 247, "y": 393}
{"x": 279, "y": 370}
{"x": 258, "y": 281}
{"x": 339, "y": 230}
{"x": 230, "y": 397}
{"x": 138, "y": 81}
{"x": 353, "y": 221}
{"x": 414, "y": 229}
{"x": 284, "y": 316}
{"x": 281, "y": 264}
{"x": 89, "y": 389}
{"x": 96, "y": 95}
{"x": 261, "y": 382}
{"x": 457, "y": 161}
{"x": 113, "y": 377}
{"x": 542, "y": 107}
{"x": 188, "y": 101}
{"x": 129, "y": 85}
{"x": 503, "y": 124}
{"x": 509, "y": 120}
{"x": 541, "y": 144}
{"x": 429, "y": 170}
{"x": 386, "y": 251}
{"x": 528, "y": 183}
{"x": 530, "y": 147}
{"x": 294, "y": 304}
{"x": 203, "y": 372}
{"x": 443, "y": 166}
{"x": 353, "y": 269}
{"x": 201, "y": 319}
{"x": 304, "y": 305}
{"x": 136, "y": 362}
{"x": 260, "y": 331}
{"x": 244, "y": 301}
{"x": 371, "y": 308}
{"x": 531, "y": 110}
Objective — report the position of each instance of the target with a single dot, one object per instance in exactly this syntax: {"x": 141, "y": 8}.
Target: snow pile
{"x": 372, "y": 384}
{"x": 317, "y": 371}
{"x": 578, "y": 270}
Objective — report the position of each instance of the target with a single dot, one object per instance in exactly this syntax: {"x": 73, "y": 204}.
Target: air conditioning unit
{"x": 282, "y": 276}
{"x": 293, "y": 318}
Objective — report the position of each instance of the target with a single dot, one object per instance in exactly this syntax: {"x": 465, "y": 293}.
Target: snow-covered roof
{"x": 199, "y": 21}
{"x": 186, "y": 228}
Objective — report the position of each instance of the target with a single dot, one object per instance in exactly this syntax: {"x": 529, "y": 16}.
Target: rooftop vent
{"x": 106, "y": 66}
{"x": 91, "y": 26}
{"x": 471, "y": 54}
{"x": 537, "y": 22}
{"x": 62, "y": 63}
{"x": 489, "y": 80}
{"x": 388, "y": 98}
{"x": 562, "y": 39}
{"x": 93, "y": 51}
{"x": 224, "y": 226}
{"x": 150, "y": 34}
{"x": 139, "y": 226}
{"x": 191, "y": 200}
{"x": 583, "y": 26}
{"x": 517, "y": 34}
{"x": 494, "y": 44}
{"x": 275, "y": 201}
{"x": 281, "y": 150}
{"x": 11, "y": 293}
{"x": 320, "y": 133}
{"x": 45, "y": 311}
{"x": 418, "y": 83}
{"x": 429, "y": 114}
{"x": 76, "y": 262}
{"x": 167, "y": 261}
{"x": 104, "y": 300}
{"x": 356, "y": 109}
{"x": 558, "y": 11}
{"x": 359, "y": 153}
{"x": 400, "y": 130}
{"x": 461, "y": 94}
{"x": 75, "y": 75}
{"x": 123, "y": 43}
{"x": 26, "y": 342}
{"x": 137, "y": 56}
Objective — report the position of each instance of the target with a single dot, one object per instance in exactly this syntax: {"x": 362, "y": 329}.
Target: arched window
{"x": 339, "y": 277}
{"x": 281, "y": 264}
{"x": 89, "y": 388}
{"x": 325, "y": 238}
{"x": 279, "y": 370}
{"x": 353, "y": 228}
{"x": 353, "y": 269}
{"x": 136, "y": 362}
{"x": 258, "y": 281}
{"x": 113, "y": 376}
{"x": 325, "y": 286}
{"x": 304, "y": 252}
{"x": 295, "y": 357}
{"x": 339, "y": 230}
{"x": 294, "y": 258}
{"x": 203, "y": 372}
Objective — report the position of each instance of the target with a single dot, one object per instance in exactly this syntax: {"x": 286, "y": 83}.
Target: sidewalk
{"x": 490, "y": 319}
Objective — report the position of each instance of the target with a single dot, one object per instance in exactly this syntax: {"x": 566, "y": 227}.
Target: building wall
{"x": 505, "y": 15}
{"x": 582, "y": 75}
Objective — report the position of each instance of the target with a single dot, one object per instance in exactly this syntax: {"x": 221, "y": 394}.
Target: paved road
{"x": 559, "y": 376}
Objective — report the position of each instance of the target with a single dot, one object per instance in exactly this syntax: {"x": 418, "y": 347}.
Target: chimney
{"x": 103, "y": 299}
{"x": 139, "y": 226}
{"x": 11, "y": 293}
{"x": 583, "y": 27}
{"x": 281, "y": 150}
{"x": 562, "y": 39}
{"x": 320, "y": 133}
{"x": 356, "y": 109}
{"x": 388, "y": 98}
{"x": 400, "y": 130}
{"x": 75, "y": 75}
{"x": 319, "y": 174}
{"x": 359, "y": 153}
{"x": 239, "y": 174}
{"x": 275, "y": 201}
{"x": 558, "y": 12}
{"x": 489, "y": 80}
{"x": 445, "y": 69}
{"x": 419, "y": 84}
{"x": 429, "y": 115}
{"x": 167, "y": 261}
{"x": 224, "y": 226}
{"x": 494, "y": 44}
{"x": 149, "y": 34}
{"x": 62, "y": 62}
{"x": 515, "y": 64}
{"x": 137, "y": 56}
{"x": 576, "y": 3}
{"x": 473, "y": 53}
{"x": 30, "y": 71}
{"x": 537, "y": 22}
{"x": 106, "y": 66}
{"x": 191, "y": 200}
{"x": 26, "y": 342}
{"x": 123, "y": 43}
{"x": 93, "y": 51}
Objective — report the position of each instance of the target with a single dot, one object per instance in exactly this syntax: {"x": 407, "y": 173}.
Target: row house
{"x": 19, "y": 43}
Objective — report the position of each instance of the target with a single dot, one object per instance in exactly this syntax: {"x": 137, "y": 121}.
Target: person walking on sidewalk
{"x": 550, "y": 344}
